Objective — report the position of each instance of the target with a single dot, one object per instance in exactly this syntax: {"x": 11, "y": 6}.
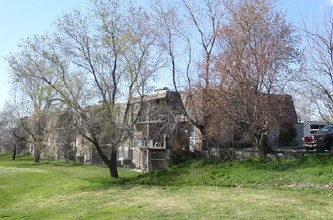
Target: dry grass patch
{"x": 6, "y": 170}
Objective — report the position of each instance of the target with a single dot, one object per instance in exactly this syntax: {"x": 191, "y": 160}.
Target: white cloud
{"x": 331, "y": 2}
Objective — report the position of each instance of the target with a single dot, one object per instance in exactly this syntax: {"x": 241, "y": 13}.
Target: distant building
{"x": 311, "y": 127}
{"x": 160, "y": 126}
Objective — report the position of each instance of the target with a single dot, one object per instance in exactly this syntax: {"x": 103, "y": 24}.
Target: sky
{"x": 20, "y": 19}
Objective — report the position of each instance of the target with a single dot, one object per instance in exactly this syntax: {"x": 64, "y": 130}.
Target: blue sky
{"x": 23, "y": 18}
{"x": 305, "y": 9}
{"x": 20, "y": 19}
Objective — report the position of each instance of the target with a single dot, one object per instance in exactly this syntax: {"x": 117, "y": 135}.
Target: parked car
{"x": 322, "y": 139}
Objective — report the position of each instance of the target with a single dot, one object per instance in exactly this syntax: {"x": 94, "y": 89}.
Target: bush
{"x": 80, "y": 159}
{"x": 179, "y": 156}
{"x": 127, "y": 162}
{"x": 287, "y": 135}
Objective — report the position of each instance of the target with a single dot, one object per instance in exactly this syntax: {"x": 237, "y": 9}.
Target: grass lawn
{"x": 250, "y": 189}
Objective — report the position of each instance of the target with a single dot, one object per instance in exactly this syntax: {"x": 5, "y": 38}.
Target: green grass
{"x": 250, "y": 189}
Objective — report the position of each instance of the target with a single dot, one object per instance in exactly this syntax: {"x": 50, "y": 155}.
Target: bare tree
{"x": 33, "y": 104}
{"x": 257, "y": 49}
{"x": 318, "y": 76}
{"x": 189, "y": 39}
{"x": 7, "y": 125}
{"x": 105, "y": 56}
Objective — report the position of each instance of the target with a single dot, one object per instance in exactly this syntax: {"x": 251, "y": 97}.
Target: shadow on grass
{"x": 19, "y": 157}
{"x": 129, "y": 179}
{"x": 105, "y": 183}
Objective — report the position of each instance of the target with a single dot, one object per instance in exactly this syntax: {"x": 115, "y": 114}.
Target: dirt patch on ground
{"x": 307, "y": 185}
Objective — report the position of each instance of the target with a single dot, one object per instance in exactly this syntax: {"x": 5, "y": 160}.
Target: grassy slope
{"x": 290, "y": 189}
{"x": 312, "y": 172}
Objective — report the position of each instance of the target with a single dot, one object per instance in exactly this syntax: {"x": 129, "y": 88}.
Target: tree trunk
{"x": 14, "y": 152}
{"x": 262, "y": 144}
{"x": 112, "y": 163}
{"x": 37, "y": 156}
{"x": 113, "y": 167}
